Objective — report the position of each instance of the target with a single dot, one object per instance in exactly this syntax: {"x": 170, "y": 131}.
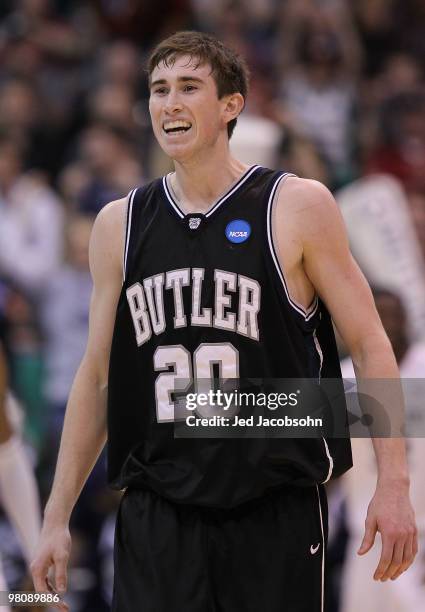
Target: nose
{"x": 172, "y": 103}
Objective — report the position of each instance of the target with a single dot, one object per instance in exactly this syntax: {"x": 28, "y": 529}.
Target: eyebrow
{"x": 181, "y": 79}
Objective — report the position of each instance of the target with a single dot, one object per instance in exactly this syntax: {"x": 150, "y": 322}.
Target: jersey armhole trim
{"x": 129, "y": 215}
{"x": 306, "y": 313}
{"x": 328, "y": 454}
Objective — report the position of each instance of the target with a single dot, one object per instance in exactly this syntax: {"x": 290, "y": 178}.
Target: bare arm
{"x": 84, "y": 432}
{"x": 324, "y": 251}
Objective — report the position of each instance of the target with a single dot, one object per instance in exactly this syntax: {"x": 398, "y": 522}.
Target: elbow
{"x": 94, "y": 373}
{"x": 103, "y": 386}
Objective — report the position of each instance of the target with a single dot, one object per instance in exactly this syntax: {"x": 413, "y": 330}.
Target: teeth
{"x": 175, "y": 125}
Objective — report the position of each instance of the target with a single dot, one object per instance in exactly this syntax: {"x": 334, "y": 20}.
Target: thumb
{"x": 60, "y": 572}
{"x": 368, "y": 539}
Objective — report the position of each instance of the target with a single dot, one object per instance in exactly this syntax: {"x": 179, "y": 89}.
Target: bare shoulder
{"x": 310, "y": 209}
{"x": 112, "y": 215}
{"x": 107, "y": 239}
{"x": 300, "y": 195}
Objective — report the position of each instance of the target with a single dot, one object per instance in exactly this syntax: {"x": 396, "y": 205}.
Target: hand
{"x": 390, "y": 512}
{"x": 52, "y": 558}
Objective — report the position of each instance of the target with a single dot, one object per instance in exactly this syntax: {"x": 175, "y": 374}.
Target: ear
{"x": 233, "y": 106}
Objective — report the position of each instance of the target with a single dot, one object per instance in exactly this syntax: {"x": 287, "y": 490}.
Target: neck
{"x": 198, "y": 183}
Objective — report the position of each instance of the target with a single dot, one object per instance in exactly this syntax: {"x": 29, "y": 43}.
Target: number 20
{"x": 179, "y": 358}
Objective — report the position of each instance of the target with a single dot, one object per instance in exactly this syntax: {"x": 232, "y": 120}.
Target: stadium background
{"x": 337, "y": 94}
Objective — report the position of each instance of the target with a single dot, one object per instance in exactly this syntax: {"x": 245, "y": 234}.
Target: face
{"x": 187, "y": 116}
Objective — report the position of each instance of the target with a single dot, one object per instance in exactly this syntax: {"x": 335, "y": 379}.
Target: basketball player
{"x": 233, "y": 267}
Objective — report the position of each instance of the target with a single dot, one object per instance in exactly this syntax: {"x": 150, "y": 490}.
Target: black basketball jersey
{"x": 201, "y": 289}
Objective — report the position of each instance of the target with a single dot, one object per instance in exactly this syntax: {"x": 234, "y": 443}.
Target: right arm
{"x": 84, "y": 431}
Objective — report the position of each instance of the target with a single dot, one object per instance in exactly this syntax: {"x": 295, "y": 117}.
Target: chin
{"x": 179, "y": 153}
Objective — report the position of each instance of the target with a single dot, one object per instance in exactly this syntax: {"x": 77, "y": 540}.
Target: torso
{"x": 199, "y": 291}
{"x": 287, "y": 234}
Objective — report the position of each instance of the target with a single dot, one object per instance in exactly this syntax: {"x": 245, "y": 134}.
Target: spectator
{"x": 112, "y": 164}
{"x": 318, "y": 82}
{"x": 376, "y": 23}
{"x": 401, "y": 148}
{"x": 120, "y": 63}
{"x": 64, "y": 315}
{"x": 19, "y": 111}
{"x": 23, "y": 341}
{"x": 257, "y": 135}
{"x": 142, "y": 21}
{"x": 31, "y": 219}
{"x": 115, "y": 104}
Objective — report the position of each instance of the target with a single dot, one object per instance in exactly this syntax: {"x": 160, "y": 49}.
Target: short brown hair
{"x": 229, "y": 70}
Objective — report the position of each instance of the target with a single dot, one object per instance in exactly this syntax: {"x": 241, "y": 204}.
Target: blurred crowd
{"x": 337, "y": 94}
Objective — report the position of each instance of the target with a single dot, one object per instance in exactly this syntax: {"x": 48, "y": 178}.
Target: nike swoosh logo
{"x": 314, "y": 549}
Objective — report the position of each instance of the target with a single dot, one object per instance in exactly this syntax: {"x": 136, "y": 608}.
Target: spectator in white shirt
{"x": 31, "y": 220}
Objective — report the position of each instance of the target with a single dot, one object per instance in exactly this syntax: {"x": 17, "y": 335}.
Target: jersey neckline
{"x": 215, "y": 205}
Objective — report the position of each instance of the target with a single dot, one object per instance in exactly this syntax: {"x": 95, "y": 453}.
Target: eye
{"x": 160, "y": 91}
{"x": 189, "y": 88}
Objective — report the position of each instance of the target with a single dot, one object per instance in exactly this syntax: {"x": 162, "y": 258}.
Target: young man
{"x": 223, "y": 266}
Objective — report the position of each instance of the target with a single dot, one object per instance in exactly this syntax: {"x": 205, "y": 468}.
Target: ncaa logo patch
{"x": 238, "y": 231}
{"x": 194, "y": 223}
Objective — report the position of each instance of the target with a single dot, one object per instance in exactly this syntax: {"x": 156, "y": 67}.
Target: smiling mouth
{"x": 176, "y": 127}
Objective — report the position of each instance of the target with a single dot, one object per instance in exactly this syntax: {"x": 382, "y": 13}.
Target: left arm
{"x": 330, "y": 267}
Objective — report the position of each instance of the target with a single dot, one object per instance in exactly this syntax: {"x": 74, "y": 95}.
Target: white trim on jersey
{"x": 241, "y": 181}
{"x": 322, "y": 600}
{"x": 219, "y": 202}
{"x": 311, "y": 310}
{"x": 129, "y": 215}
{"x": 331, "y": 461}
{"x": 329, "y": 456}
{"x": 319, "y": 352}
{"x": 170, "y": 198}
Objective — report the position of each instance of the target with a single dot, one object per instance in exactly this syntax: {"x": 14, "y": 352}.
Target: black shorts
{"x": 267, "y": 555}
